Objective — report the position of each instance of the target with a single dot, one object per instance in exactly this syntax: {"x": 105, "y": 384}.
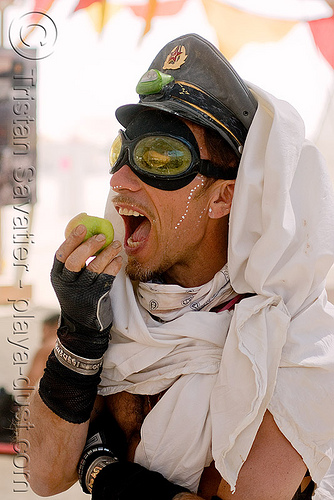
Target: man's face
{"x": 164, "y": 230}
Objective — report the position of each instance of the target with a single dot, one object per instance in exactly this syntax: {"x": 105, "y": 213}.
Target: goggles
{"x": 161, "y": 160}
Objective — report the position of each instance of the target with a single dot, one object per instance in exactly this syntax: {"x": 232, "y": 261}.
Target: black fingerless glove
{"x": 128, "y": 480}
{"x": 69, "y": 384}
{"x": 83, "y": 295}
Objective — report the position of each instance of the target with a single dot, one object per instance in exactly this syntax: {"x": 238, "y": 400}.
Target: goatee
{"x": 137, "y": 272}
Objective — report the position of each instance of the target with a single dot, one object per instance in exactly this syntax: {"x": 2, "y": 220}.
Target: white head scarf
{"x": 279, "y": 349}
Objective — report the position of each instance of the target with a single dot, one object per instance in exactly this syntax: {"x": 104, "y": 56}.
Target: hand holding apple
{"x": 82, "y": 286}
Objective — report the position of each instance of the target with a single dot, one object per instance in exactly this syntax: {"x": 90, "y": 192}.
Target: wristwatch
{"x": 95, "y": 467}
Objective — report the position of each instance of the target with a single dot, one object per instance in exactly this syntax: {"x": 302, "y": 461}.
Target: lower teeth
{"x": 132, "y": 244}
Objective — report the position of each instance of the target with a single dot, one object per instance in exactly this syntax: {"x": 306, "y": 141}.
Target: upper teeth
{"x": 127, "y": 211}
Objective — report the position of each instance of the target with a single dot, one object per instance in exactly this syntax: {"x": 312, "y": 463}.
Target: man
{"x": 217, "y": 381}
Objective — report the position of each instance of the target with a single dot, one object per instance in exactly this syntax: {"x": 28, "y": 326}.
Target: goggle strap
{"x": 211, "y": 170}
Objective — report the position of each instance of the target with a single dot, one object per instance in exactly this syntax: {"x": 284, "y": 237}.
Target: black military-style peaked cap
{"x": 190, "y": 78}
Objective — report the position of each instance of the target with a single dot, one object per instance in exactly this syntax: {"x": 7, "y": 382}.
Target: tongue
{"x": 142, "y": 231}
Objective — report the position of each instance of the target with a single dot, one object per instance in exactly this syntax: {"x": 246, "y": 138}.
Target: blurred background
{"x": 71, "y": 63}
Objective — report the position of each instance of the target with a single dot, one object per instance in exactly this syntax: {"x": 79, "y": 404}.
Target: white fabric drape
{"x": 145, "y": 357}
{"x": 276, "y": 351}
{"x": 281, "y": 246}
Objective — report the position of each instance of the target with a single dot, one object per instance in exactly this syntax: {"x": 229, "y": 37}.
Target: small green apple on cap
{"x": 94, "y": 225}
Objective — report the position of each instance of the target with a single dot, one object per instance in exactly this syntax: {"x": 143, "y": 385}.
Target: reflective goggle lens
{"x": 162, "y": 156}
{"x": 153, "y": 155}
{"x": 115, "y": 150}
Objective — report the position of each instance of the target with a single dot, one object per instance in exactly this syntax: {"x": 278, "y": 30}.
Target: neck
{"x": 187, "y": 279}
{"x": 205, "y": 262}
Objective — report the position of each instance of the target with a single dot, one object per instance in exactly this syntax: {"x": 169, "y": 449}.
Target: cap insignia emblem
{"x": 175, "y": 58}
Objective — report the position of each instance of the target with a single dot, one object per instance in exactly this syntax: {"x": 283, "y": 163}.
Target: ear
{"x": 221, "y": 199}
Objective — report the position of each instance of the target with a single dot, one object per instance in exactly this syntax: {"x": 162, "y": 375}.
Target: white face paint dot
{"x": 191, "y": 194}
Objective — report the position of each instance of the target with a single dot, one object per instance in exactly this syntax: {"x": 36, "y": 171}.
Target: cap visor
{"x": 126, "y": 113}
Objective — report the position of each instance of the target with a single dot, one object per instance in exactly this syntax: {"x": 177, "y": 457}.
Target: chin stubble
{"x": 137, "y": 272}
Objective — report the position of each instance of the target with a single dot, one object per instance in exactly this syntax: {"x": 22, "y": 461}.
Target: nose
{"x": 125, "y": 180}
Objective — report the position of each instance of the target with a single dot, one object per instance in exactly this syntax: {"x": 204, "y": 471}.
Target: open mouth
{"x": 137, "y": 227}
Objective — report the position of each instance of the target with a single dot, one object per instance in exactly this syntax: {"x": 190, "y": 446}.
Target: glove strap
{"x": 78, "y": 364}
{"x": 82, "y": 341}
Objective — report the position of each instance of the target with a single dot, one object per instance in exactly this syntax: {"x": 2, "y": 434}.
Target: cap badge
{"x": 175, "y": 58}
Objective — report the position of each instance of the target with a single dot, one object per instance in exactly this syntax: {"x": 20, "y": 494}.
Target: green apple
{"x": 94, "y": 225}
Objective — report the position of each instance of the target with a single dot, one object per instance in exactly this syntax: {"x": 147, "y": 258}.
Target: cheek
{"x": 191, "y": 210}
